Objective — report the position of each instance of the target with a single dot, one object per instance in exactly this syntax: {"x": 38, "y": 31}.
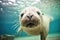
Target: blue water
{"x": 9, "y": 20}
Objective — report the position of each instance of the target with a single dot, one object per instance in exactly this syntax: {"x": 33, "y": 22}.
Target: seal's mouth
{"x": 30, "y": 23}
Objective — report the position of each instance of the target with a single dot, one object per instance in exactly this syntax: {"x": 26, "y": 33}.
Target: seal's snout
{"x": 30, "y": 16}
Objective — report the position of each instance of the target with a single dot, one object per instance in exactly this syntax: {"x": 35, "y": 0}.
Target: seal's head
{"x": 30, "y": 17}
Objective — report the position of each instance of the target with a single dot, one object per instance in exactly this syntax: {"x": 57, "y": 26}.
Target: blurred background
{"x": 10, "y": 10}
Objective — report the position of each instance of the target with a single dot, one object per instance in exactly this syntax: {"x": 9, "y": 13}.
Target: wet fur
{"x": 42, "y": 28}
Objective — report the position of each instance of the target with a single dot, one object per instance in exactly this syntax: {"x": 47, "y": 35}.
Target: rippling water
{"x": 10, "y": 9}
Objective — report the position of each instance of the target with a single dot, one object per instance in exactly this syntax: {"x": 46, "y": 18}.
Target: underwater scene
{"x": 9, "y": 18}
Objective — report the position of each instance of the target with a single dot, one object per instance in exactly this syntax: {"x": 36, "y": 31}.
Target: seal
{"x": 34, "y": 22}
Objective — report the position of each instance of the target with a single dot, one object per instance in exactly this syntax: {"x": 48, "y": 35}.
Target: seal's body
{"x": 34, "y": 22}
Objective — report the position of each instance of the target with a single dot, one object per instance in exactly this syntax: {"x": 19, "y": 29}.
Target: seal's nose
{"x": 30, "y": 16}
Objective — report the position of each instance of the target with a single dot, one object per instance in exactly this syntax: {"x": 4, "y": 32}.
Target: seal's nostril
{"x": 30, "y": 16}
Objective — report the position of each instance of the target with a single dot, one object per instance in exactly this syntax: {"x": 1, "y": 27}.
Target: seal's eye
{"x": 22, "y": 15}
{"x": 38, "y": 13}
